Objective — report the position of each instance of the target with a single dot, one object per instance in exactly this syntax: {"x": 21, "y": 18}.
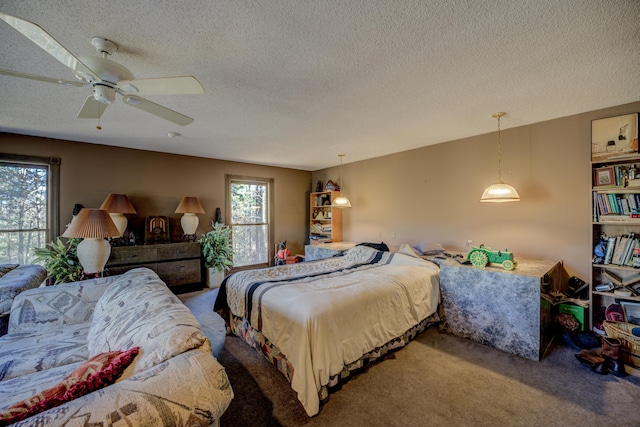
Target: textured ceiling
{"x": 295, "y": 83}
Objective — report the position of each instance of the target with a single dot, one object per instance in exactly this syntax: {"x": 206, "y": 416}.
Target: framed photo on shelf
{"x": 631, "y": 311}
{"x": 614, "y": 137}
{"x": 603, "y": 176}
{"x": 330, "y": 186}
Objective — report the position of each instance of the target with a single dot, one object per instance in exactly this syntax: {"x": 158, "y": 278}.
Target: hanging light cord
{"x": 340, "y": 155}
{"x": 498, "y": 115}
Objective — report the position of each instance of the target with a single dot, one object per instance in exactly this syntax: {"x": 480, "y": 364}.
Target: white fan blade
{"x": 92, "y": 109}
{"x": 157, "y": 110}
{"x": 43, "y": 39}
{"x": 40, "y": 78}
{"x": 162, "y": 86}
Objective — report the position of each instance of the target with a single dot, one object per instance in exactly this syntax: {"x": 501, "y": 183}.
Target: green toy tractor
{"x": 481, "y": 256}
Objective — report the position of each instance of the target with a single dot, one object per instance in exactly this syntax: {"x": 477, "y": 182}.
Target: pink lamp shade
{"x": 117, "y": 205}
{"x": 189, "y": 206}
{"x": 92, "y": 225}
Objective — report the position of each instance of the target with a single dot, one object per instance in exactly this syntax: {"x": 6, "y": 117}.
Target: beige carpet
{"x": 437, "y": 380}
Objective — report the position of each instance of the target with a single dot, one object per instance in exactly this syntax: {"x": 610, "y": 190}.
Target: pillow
{"x": 429, "y": 248}
{"x": 408, "y": 250}
{"x": 5, "y": 268}
{"x": 97, "y": 372}
{"x": 377, "y": 246}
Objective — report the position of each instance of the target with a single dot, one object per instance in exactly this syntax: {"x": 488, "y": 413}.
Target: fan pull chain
{"x": 99, "y": 127}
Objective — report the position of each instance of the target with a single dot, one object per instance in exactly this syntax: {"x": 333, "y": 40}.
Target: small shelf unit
{"x": 325, "y": 219}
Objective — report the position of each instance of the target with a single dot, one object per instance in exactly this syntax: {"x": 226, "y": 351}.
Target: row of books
{"x": 619, "y": 175}
{"x": 616, "y": 204}
{"x": 623, "y": 250}
{"x": 315, "y": 239}
{"x": 320, "y": 228}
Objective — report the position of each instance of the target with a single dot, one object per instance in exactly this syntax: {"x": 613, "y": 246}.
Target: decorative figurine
{"x": 481, "y": 255}
{"x": 218, "y": 216}
{"x": 282, "y": 254}
{"x": 319, "y": 187}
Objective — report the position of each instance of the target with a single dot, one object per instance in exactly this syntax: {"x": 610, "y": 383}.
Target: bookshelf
{"x": 615, "y": 233}
{"x": 325, "y": 219}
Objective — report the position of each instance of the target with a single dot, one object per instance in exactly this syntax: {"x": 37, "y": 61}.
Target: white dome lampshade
{"x": 93, "y": 226}
{"x": 500, "y": 192}
{"x": 189, "y": 206}
{"x": 117, "y": 205}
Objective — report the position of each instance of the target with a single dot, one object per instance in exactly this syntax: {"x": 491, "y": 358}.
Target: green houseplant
{"x": 61, "y": 261}
{"x": 217, "y": 253}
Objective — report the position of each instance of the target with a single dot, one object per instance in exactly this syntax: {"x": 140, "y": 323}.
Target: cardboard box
{"x": 578, "y": 312}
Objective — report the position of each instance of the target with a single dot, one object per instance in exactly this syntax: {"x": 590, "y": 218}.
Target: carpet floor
{"x": 438, "y": 379}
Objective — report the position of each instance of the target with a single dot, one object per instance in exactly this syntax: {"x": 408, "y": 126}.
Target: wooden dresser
{"x": 177, "y": 264}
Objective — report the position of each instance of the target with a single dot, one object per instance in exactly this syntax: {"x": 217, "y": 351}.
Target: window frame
{"x": 233, "y": 179}
{"x": 52, "y": 164}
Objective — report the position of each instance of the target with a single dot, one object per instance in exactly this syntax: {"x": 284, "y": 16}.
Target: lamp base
{"x": 189, "y": 223}
{"x": 93, "y": 254}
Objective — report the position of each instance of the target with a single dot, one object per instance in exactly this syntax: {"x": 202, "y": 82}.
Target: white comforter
{"x": 326, "y": 314}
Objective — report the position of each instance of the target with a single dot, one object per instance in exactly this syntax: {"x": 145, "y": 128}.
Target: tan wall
{"x": 432, "y": 194}
{"x": 425, "y": 195}
{"x": 156, "y": 182}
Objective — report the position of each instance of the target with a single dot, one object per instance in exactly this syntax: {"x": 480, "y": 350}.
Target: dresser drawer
{"x": 120, "y": 269}
{"x": 178, "y": 251}
{"x": 132, "y": 255}
{"x": 175, "y": 273}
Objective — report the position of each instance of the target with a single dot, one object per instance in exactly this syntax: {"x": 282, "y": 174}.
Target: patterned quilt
{"x": 15, "y": 278}
{"x": 324, "y": 315}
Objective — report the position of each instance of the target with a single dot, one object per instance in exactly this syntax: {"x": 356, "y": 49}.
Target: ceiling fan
{"x": 105, "y": 76}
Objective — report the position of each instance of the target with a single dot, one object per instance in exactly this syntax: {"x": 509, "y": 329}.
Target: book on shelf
{"x": 612, "y": 218}
{"x": 620, "y": 250}
{"x": 611, "y": 243}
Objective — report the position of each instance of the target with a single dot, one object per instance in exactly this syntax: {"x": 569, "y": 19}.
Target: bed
{"x": 319, "y": 321}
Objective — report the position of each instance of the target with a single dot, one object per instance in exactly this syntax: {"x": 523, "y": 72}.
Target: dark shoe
{"x": 593, "y": 361}
{"x": 611, "y": 352}
{"x": 581, "y": 340}
{"x": 611, "y": 347}
{"x": 616, "y": 367}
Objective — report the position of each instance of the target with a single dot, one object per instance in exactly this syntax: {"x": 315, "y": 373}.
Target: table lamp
{"x": 189, "y": 206}
{"x": 92, "y": 225}
{"x": 117, "y": 205}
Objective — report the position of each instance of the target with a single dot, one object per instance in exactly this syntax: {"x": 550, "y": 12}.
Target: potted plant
{"x": 61, "y": 261}
{"x": 217, "y": 253}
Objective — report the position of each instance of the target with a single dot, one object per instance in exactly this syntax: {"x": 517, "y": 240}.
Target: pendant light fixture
{"x": 500, "y": 192}
{"x": 341, "y": 201}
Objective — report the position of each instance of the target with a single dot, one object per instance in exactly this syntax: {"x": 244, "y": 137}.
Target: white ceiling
{"x": 295, "y": 83}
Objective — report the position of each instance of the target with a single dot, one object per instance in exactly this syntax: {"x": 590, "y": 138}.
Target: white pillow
{"x": 429, "y": 248}
{"x": 408, "y": 250}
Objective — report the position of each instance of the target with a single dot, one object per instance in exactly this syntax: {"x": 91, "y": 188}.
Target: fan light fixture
{"x": 500, "y": 192}
{"x": 341, "y": 201}
{"x": 92, "y": 225}
{"x": 189, "y": 206}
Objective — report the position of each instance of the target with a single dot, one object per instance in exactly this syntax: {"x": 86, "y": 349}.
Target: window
{"x": 249, "y": 214}
{"x": 28, "y": 205}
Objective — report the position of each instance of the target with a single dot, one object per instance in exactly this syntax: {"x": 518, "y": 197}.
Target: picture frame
{"x": 614, "y": 137}
{"x": 330, "y": 186}
{"x": 603, "y": 176}
{"x": 631, "y": 312}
